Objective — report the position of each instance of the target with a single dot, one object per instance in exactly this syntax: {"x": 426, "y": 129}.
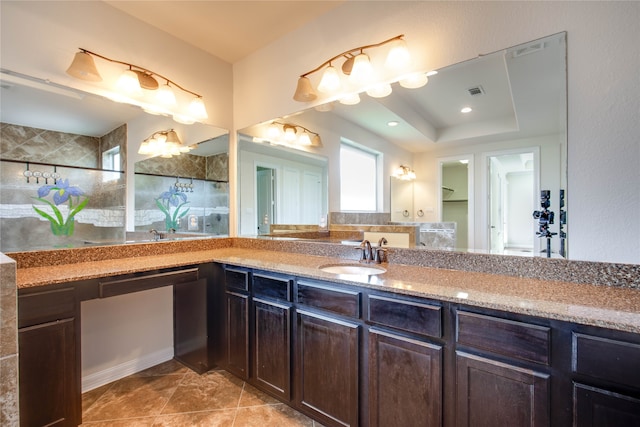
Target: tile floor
{"x": 170, "y": 395}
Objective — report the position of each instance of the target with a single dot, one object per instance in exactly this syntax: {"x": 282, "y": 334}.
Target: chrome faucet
{"x": 366, "y": 254}
{"x": 156, "y": 235}
{"x": 380, "y": 255}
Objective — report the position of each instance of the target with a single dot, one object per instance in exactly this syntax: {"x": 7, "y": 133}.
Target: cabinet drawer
{"x": 338, "y": 301}
{"x": 408, "y": 316}
{"x": 110, "y": 288}
{"x": 42, "y": 307}
{"x": 271, "y": 287}
{"x": 506, "y": 337}
{"x": 237, "y": 279}
{"x": 606, "y": 359}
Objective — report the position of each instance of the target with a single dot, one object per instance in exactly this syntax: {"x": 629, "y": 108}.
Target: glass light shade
{"x": 330, "y": 81}
{"x": 197, "y": 108}
{"x": 129, "y": 84}
{"x": 379, "y": 90}
{"x": 273, "y": 131}
{"x": 84, "y": 68}
{"x": 166, "y": 95}
{"x": 398, "y": 57}
{"x": 184, "y": 119}
{"x": 304, "y": 139}
{"x": 362, "y": 70}
{"x": 350, "y": 99}
{"x": 289, "y": 133}
{"x": 316, "y": 141}
{"x": 414, "y": 81}
{"x": 304, "y": 91}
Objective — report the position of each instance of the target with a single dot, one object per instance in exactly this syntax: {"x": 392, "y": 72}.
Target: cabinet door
{"x": 327, "y": 368}
{"x": 405, "y": 381}
{"x": 49, "y": 377}
{"x": 491, "y": 393}
{"x": 594, "y": 407}
{"x": 237, "y": 334}
{"x": 190, "y": 325}
{"x": 272, "y": 347}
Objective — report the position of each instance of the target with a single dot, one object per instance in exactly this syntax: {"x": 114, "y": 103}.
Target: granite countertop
{"x": 605, "y": 306}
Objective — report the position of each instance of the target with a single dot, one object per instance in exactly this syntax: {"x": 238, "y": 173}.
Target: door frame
{"x": 470, "y": 193}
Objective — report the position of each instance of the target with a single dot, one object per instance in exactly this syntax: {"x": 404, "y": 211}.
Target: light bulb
{"x": 197, "y": 108}
{"x": 350, "y": 99}
{"x": 304, "y": 139}
{"x": 184, "y": 119}
{"x": 273, "y": 131}
{"x": 362, "y": 70}
{"x": 414, "y": 81}
{"x": 165, "y": 95}
{"x": 380, "y": 90}
{"x": 330, "y": 81}
{"x": 398, "y": 57}
{"x": 128, "y": 83}
{"x": 289, "y": 133}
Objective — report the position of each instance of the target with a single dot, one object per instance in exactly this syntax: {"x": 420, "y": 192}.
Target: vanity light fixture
{"x": 132, "y": 82}
{"x": 360, "y": 72}
{"x": 163, "y": 143}
{"x": 404, "y": 173}
{"x": 292, "y": 134}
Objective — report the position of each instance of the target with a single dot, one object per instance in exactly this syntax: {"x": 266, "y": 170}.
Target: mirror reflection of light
{"x": 462, "y": 295}
{"x": 466, "y": 110}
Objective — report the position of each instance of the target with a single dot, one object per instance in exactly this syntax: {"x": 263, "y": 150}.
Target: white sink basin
{"x": 353, "y": 269}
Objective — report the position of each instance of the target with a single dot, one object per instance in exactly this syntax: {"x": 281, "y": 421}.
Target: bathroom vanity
{"x": 412, "y": 346}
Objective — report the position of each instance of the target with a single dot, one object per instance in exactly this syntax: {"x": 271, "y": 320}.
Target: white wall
{"x": 603, "y": 88}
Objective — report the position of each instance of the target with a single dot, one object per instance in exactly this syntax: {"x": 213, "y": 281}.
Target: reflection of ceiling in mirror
{"x": 35, "y": 103}
{"x": 522, "y": 93}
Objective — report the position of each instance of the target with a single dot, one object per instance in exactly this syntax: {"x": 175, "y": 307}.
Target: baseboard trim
{"x": 97, "y": 379}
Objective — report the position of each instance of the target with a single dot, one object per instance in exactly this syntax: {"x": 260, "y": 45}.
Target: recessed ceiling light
{"x": 466, "y": 110}
{"x": 392, "y": 123}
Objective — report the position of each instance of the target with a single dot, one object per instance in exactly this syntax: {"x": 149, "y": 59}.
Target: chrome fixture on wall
{"x": 130, "y": 87}
{"x": 359, "y": 74}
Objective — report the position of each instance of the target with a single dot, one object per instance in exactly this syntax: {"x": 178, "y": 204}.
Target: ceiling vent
{"x": 476, "y": 90}
{"x": 535, "y": 47}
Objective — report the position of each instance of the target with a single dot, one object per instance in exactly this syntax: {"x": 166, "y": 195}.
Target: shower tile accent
{"x": 370, "y": 218}
{"x": 47, "y": 146}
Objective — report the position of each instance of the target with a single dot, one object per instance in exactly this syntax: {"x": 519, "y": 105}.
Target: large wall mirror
{"x": 486, "y": 169}
{"x": 56, "y": 137}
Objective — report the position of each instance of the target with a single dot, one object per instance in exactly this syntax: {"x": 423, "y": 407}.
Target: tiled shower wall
{"x": 102, "y": 221}
{"x": 213, "y": 168}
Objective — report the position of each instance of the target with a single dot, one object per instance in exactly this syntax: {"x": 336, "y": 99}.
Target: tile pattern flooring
{"x": 170, "y": 395}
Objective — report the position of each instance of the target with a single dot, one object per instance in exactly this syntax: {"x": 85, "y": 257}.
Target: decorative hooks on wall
{"x": 28, "y": 173}
{"x": 183, "y": 187}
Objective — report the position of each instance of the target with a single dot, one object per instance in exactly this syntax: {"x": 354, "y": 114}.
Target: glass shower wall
{"x": 26, "y": 187}
{"x": 202, "y": 206}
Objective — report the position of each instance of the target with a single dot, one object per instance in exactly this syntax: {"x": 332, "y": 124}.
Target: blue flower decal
{"x": 62, "y": 191}
{"x": 173, "y": 197}
{"x": 176, "y": 199}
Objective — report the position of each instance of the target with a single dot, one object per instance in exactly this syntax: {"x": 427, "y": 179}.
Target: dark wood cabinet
{"x": 237, "y": 334}
{"x": 327, "y": 369}
{"x": 236, "y": 323}
{"x": 491, "y": 393}
{"x": 49, "y": 359}
{"x": 595, "y": 407}
{"x": 272, "y": 347}
{"x": 606, "y": 388}
{"x": 405, "y": 381}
